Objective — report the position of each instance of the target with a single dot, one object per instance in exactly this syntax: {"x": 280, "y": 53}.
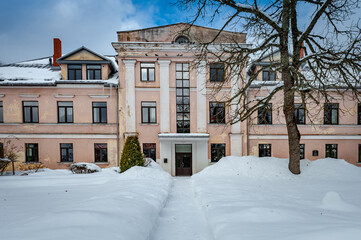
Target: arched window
{"x": 182, "y": 39}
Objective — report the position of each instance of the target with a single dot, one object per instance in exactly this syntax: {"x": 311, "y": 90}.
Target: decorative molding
{"x": 99, "y": 96}
{"x": 63, "y": 95}
{"x": 129, "y": 62}
{"x": 25, "y": 95}
{"x": 61, "y": 135}
{"x": 305, "y": 137}
{"x": 164, "y": 63}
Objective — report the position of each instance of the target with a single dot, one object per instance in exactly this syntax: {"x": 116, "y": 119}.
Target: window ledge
{"x": 145, "y": 124}
{"x": 218, "y": 124}
{"x": 31, "y": 162}
{"x": 65, "y": 162}
{"x": 101, "y": 163}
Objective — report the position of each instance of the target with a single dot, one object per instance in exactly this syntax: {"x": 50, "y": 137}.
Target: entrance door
{"x": 183, "y": 160}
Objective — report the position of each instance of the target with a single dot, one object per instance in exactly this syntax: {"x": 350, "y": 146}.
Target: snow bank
{"x": 84, "y": 167}
{"x": 277, "y": 168}
{"x": 257, "y": 198}
{"x": 104, "y": 205}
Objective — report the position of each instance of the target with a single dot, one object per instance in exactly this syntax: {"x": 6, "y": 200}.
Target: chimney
{"x": 57, "y": 51}
{"x": 302, "y": 51}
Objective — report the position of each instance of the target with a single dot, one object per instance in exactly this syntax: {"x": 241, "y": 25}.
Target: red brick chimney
{"x": 302, "y": 51}
{"x": 57, "y": 51}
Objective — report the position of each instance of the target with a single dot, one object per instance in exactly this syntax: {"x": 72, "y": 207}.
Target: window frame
{"x": 331, "y": 146}
{"x": 34, "y": 149}
{"x": 150, "y": 147}
{"x": 148, "y": 109}
{"x": 66, "y": 111}
{"x": 359, "y": 114}
{"x": 98, "y": 150}
{"x": 93, "y": 70}
{"x": 100, "y": 113}
{"x": 69, "y": 68}
{"x": 214, "y": 118}
{"x": 298, "y": 107}
{"x": 261, "y": 119}
{"x": 269, "y": 74}
{"x": 218, "y": 148}
{"x": 31, "y": 112}
{"x": 328, "y": 113}
{"x": 183, "y": 99}
{"x": 218, "y": 68}
{"x": 1, "y": 111}
{"x": 2, "y": 151}
{"x": 263, "y": 148}
{"x": 302, "y": 151}
{"x": 147, "y": 69}
{"x": 67, "y": 152}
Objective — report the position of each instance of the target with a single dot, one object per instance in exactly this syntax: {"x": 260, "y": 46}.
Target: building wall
{"x": 48, "y": 133}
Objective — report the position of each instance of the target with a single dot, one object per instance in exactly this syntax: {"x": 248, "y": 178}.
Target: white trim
{"x": 140, "y": 89}
{"x": 60, "y": 135}
{"x": 306, "y": 137}
{"x": 26, "y": 95}
{"x": 80, "y": 85}
{"x": 99, "y": 96}
{"x": 201, "y": 97}
{"x": 129, "y": 93}
{"x": 2, "y": 95}
{"x": 63, "y": 95}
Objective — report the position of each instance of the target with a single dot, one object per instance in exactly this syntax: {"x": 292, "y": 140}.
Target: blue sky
{"x": 28, "y": 27}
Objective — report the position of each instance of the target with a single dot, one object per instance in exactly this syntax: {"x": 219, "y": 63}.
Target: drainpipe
{"x": 117, "y": 111}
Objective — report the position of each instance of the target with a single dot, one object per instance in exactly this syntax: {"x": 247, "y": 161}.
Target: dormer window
{"x": 74, "y": 72}
{"x": 94, "y": 72}
{"x": 268, "y": 75}
{"x": 182, "y": 39}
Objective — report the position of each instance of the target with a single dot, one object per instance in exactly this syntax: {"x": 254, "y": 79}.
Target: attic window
{"x": 182, "y": 39}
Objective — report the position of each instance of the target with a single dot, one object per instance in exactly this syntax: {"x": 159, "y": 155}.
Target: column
{"x": 236, "y": 136}
{"x": 164, "y": 96}
{"x": 201, "y": 97}
{"x": 130, "y": 96}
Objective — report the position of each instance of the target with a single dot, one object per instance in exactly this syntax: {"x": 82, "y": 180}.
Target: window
{"x": 359, "y": 114}
{"x": 65, "y": 112}
{"x": 66, "y": 152}
{"x": 302, "y": 151}
{"x": 359, "y": 153}
{"x": 331, "y": 150}
{"x": 331, "y": 113}
{"x": 217, "y": 72}
{"x": 100, "y": 152}
{"x": 30, "y": 112}
{"x": 147, "y": 71}
{"x": 300, "y": 114}
{"x": 217, "y": 152}
{"x": 32, "y": 152}
{"x": 2, "y": 153}
{"x": 94, "y": 72}
{"x": 265, "y": 114}
{"x": 182, "y": 98}
{"x": 1, "y": 112}
{"x": 74, "y": 72}
{"x": 149, "y": 112}
{"x": 182, "y": 39}
{"x": 99, "y": 112}
{"x": 216, "y": 112}
{"x": 150, "y": 151}
{"x": 264, "y": 150}
{"x": 268, "y": 75}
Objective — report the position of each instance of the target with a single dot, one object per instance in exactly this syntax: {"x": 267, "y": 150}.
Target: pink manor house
{"x": 81, "y": 106}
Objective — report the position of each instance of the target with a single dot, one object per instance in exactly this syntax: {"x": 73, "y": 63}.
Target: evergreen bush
{"x": 132, "y": 154}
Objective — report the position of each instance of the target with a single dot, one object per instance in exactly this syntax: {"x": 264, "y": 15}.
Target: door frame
{"x": 177, "y": 173}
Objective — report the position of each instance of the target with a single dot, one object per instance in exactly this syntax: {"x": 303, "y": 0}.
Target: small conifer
{"x": 132, "y": 154}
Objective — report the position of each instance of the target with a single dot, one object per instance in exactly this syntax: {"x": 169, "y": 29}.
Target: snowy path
{"x": 181, "y": 218}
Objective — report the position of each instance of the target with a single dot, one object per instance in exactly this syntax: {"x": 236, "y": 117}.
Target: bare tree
{"x": 313, "y": 61}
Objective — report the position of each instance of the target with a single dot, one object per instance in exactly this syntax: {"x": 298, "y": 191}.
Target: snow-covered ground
{"x": 257, "y": 198}
{"x": 61, "y": 205}
{"x": 237, "y": 198}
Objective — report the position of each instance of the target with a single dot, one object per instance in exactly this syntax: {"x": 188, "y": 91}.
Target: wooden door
{"x": 183, "y": 164}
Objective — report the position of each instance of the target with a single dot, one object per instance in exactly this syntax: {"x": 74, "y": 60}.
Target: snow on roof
{"x": 40, "y": 72}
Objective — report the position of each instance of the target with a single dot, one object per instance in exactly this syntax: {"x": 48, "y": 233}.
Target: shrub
{"x": 33, "y": 167}
{"x": 84, "y": 168}
{"x": 132, "y": 154}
